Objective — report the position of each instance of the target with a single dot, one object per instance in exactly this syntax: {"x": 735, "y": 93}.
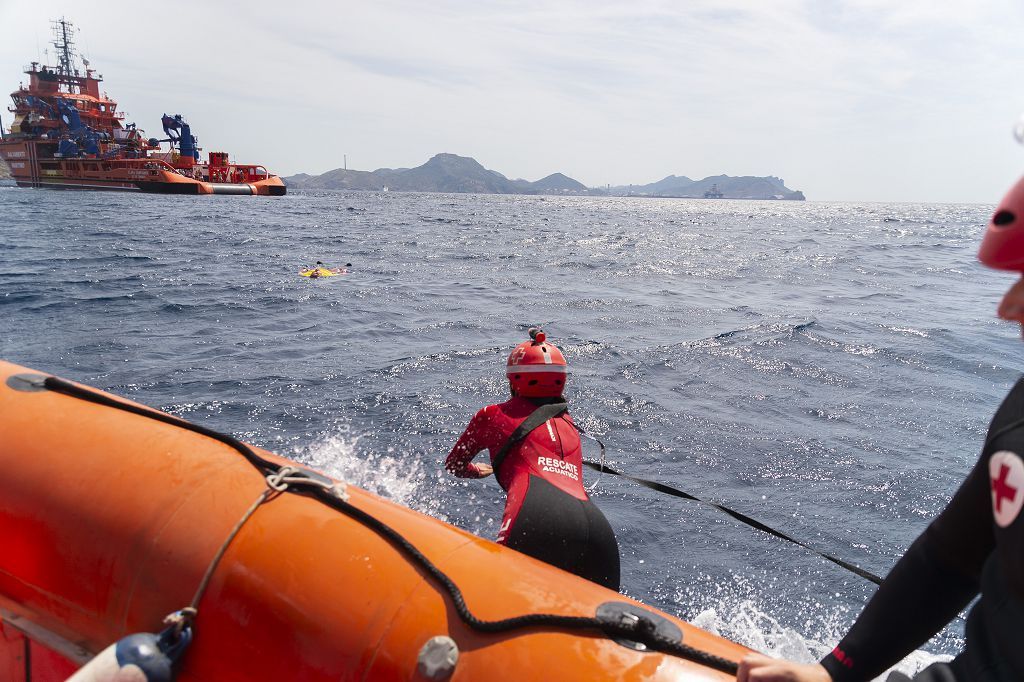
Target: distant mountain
{"x": 671, "y": 185}
{"x": 744, "y": 187}
{"x": 556, "y": 182}
{"x": 452, "y": 173}
{"x": 442, "y": 173}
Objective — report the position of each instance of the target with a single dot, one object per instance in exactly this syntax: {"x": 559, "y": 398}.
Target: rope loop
{"x": 277, "y": 480}
{"x": 292, "y": 476}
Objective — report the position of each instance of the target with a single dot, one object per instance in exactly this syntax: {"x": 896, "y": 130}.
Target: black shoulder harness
{"x": 536, "y": 418}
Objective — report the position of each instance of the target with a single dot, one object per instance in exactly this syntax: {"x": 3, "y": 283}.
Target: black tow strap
{"x": 552, "y": 410}
{"x": 536, "y": 418}
{"x": 637, "y": 630}
{"x": 742, "y": 518}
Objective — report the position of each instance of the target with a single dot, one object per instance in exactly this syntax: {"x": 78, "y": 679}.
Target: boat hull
{"x": 110, "y": 520}
{"x": 32, "y": 166}
{"x": 191, "y": 187}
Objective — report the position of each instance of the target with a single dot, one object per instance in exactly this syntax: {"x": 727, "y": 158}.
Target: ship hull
{"x": 68, "y": 184}
{"x": 33, "y": 166}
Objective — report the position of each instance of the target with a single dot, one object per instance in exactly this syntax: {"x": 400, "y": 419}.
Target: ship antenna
{"x": 65, "y": 47}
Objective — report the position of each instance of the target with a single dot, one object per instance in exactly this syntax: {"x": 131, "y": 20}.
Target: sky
{"x": 846, "y": 100}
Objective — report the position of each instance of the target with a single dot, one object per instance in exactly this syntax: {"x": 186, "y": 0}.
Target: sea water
{"x": 827, "y": 368}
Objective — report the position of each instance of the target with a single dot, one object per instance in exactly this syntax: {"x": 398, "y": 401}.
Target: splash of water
{"x": 400, "y": 479}
{"x": 743, "y": 620}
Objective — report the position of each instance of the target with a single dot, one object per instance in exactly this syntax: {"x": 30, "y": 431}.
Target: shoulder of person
{"x": 1015, "y": 398}
{"x": 1007, "y": 427}
{"x": 485, "y": 412}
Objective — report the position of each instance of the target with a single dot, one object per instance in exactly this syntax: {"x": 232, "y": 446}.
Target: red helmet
{"x": 1003, "y": 245}
{"x": 536, "y": 369}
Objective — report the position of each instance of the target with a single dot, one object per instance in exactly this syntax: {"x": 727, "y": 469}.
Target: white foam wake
{"x": 397, "y": 477}
{"x": 746, "y": 623}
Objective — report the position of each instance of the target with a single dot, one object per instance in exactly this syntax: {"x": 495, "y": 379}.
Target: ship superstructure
{"x": 67, "y": 135}
{"x": 714, "y": 193}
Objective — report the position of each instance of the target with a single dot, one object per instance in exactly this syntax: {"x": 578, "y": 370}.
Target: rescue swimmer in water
{"x": 321, "y": 270}
{"x": 537, "y": 459}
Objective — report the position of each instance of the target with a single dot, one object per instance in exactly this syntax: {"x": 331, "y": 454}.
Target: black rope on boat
{"x": 742, "y": 518}
{"x": 639, "y": 630}
{"x": 636, "y": 631}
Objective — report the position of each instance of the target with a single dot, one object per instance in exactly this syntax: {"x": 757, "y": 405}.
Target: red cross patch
{"x": 1006, "y": 476}
{"x": 517, "y": 356}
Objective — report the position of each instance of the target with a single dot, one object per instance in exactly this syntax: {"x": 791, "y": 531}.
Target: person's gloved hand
{"x": 760, "y": 668}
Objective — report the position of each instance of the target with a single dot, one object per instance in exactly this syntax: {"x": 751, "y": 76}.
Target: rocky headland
{"x": 728, "y": 186}
{"x": 452, "y": 173}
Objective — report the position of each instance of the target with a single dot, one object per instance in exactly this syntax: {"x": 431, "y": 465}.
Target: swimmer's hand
{"x": 758, "y": 668}
{"x": 484, "y": 470}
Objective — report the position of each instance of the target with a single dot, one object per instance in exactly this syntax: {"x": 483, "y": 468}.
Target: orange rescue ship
{"x": 67, "y": 135}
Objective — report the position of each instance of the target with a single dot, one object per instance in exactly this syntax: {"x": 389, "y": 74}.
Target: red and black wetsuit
{"x": 975, "y": 545}
{"x": 547, "y": 514}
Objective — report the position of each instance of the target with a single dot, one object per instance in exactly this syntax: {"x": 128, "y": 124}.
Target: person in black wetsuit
{"x": 976, "y": 545}
{"x": 537, "y": 458}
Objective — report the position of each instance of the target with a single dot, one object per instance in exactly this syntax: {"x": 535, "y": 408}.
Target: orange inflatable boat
{"x": 114, "y": 515}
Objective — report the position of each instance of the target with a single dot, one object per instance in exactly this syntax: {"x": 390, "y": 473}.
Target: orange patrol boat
{"x": 115, "y": 515}
{"x": 67, "y": 135}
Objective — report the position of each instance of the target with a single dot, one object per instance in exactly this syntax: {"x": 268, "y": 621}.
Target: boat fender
{"x": 141, "y": 657}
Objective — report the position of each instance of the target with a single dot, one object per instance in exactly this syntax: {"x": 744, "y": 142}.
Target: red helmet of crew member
{"x": 536, "y": 369}
{"x": 1003, "y": 245}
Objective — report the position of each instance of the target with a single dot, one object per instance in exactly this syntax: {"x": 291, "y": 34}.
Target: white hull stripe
{"x": 530, "y": 369}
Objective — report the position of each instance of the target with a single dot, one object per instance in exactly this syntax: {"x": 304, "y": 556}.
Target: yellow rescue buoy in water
{"x": 320, "y": 272}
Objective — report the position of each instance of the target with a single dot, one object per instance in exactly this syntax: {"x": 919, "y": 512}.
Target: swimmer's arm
{"x": 460, "y": 461}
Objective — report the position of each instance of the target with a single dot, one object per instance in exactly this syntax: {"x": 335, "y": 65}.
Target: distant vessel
{"x": 713, "y": 193}
{"x": 66, "y": 135}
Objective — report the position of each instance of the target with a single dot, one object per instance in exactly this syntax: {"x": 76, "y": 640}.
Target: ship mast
{"x": 64, "y": 43}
